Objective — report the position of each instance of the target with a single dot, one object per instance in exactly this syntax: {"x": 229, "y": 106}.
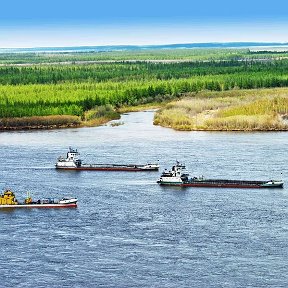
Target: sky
{"x": 51, "y": 23}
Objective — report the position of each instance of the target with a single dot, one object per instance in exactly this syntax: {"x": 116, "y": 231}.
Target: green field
{"x": 77, "y": 84}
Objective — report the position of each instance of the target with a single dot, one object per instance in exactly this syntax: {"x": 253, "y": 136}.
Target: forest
{"x": 41, "y": 84}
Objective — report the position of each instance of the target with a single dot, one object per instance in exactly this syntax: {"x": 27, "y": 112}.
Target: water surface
{"x": 127, "y": 231}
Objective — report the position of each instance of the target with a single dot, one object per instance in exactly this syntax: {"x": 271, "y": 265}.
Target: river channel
{"x": 129, "y": 232}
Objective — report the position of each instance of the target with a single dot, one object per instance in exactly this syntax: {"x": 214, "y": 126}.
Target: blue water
{"x": 129, "y": 232}
{"x": 141, "y": 47}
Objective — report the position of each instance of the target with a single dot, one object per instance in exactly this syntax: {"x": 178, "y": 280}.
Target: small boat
{"x": 8, "y": 200}
{"x": 178, "y": 177}
{"x": 72, "y": 162}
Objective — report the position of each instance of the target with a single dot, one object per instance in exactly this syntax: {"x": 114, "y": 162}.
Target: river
{"x": 129, "y": 232}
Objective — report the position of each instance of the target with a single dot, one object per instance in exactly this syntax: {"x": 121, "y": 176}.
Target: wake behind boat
{"x": 73, "y": 162}
{"x": 178, "y": 177}
{"x": 8, "y": 200}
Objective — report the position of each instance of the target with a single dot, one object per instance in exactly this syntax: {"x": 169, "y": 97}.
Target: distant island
{"x": 107, "y": 48}
{"x": 199, "y": 86}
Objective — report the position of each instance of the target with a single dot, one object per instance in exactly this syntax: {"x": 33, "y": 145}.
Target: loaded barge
{"x": 8, "y": 200}
{"x": 178, "y": 177}
{"x": 73, "y": 162}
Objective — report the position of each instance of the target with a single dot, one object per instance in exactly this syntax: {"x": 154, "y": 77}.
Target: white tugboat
{"x": 177, "y": 177}
{"x": 73, "y": 162}
{"x": 174, "y": 177}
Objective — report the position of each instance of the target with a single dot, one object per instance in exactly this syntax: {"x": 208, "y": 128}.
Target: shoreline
{"x": 75, "y": 123}
{"x": 104, "y": 122}
{"x": 66, "y": 121}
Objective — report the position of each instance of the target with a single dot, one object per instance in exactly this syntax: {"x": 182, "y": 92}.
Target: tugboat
{"x": 178, "y": 177}
{"x": 72, "y": 162}
{"x": 8, "y": 200}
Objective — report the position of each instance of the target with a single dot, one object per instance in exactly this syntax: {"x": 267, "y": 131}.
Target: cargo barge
{"x": 178, "y": 177}
{"x": 73, "y": 162}
{"x": 8, "y": 200}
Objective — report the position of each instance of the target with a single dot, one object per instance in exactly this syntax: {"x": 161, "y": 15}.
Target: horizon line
{"x": 239, "y": 43}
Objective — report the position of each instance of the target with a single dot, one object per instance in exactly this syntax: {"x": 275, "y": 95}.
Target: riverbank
{"x": 46, "y": 91}
{"x": 92, "y": 118}
{"x": 238, "y": 110}
{"x": 39, "y": 122}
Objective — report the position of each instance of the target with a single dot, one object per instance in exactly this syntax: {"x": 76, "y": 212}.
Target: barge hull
{"x": 16, "y": 206}
{"x": 125, "y": 169}
{"x": 219, "y": 185}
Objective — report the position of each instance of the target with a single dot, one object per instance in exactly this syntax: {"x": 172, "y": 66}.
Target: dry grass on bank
{"x": 97, "y": 121}
{"x": 142, "y": 107}
{"x": 39, "y": 122}
{"x": 246, "y": 123}
{"x": 232, "y": 111}
{"x": 95, "y": 117}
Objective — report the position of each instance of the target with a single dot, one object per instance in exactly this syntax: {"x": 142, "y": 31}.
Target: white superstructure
{"x": 173, "y": 177}
{"x": 71, "y": 161}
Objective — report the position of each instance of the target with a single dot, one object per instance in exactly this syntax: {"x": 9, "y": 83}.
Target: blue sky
{"x": 29, "y": 23}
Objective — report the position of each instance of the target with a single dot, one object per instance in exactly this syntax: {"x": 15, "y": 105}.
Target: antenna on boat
{"x": 28, "y": 199}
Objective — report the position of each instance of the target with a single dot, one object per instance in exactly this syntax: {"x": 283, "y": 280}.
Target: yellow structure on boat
{"x": 8, "y": 198}
{"x": 28, "y": 199}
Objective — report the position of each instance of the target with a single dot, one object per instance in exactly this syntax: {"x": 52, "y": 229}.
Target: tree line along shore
{"x": 213, "y": 89}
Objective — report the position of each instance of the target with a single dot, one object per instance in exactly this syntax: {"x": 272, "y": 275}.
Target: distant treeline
{"x": 41, "y": 90}
{"x": 139, "y": 71}
{"x": 194, "y": 54}
{"x": 271, "y": 52}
